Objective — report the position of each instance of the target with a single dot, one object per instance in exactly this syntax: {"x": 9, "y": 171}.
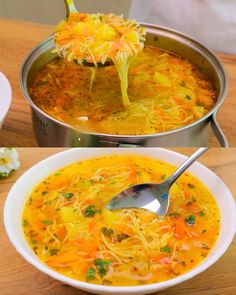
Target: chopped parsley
{"x": 174, "y": 214}
{"x": 203, "y": 231}
{"x": 190, "y": 220}
{"x": 32, "y": 240}
{"x": 90, "y": 274}
{"x": 165, "y": 249}
{"x": 25, "y": 222}
{"x": 188, "y": 97}
{"x": 47, "y": 202}
{"x": 121, "y": 237}
{"x": 53, "y": 251}
{"x": 108, "y": 232}
{"x": 201, "y": 213}
{"x": 68, "y": 195}
{"x": 102, "y": 266}
{"x": 90, "y": 211}
{"x": 190, "y": 185}
{"x": 47, "y": 222}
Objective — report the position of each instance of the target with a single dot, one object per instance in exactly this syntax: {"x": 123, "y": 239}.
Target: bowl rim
{"x": 101, "y": 288}
{"x": 5, "y": 84}
{"x": 27, "y": 63}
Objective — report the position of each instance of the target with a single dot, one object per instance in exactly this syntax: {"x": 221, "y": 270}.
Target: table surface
{"x": 18, "y": 277}
{"x": 18, "y": 38}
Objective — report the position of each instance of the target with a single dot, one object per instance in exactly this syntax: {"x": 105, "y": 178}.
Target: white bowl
{"x": 21, "y": 189}
{"x": 5, "y": 97}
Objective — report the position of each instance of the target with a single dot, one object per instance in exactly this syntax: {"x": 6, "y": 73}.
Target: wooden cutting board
{"x": 17, "y": 277}
{"x": 18, "y": 38}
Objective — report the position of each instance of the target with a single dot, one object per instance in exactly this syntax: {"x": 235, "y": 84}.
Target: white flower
{"x": 9, "y": 160}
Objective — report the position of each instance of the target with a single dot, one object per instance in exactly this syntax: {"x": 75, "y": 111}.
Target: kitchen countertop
{"x": 17, "y": 38}
{"x": 18, "y": 277}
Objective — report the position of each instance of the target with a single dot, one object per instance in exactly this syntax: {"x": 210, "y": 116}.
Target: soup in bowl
{"x": 61, "y": 227}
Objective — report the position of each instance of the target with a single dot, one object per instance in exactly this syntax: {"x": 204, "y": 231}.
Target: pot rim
{"x": 185, "y": 37}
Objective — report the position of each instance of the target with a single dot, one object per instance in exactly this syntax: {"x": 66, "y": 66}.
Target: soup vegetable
{"x": 166, "y": 92}
{"x": 98, "y": 38}
{"x": 67, "y": 227}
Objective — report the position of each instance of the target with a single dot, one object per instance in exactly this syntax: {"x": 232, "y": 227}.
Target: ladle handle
{"x": 185, "y": 165}
{"x": 70, "y": 7}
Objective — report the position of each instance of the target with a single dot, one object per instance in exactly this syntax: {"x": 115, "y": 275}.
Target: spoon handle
{"x": 70, "y": 7}
{"x": 185, "y": 165}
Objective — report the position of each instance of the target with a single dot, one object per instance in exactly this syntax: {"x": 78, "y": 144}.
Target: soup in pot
{"x": 165, "y": 91}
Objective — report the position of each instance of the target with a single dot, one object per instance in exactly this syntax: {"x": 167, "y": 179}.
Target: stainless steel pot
{"x": 51, "y": 132}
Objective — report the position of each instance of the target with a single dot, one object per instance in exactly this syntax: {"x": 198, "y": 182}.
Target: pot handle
{"x": 218, "y": 131}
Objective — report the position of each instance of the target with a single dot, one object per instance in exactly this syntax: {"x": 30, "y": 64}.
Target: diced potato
{"x": 109, "y": 218}
{"x": 83, "y": 28}
{"x": 106, "y": 33}
{"x": 162, "y": 80}
{"x": 132, "y": 36}
{"x": 68, "y": 215}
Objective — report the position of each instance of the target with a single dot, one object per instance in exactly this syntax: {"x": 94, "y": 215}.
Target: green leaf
{"x": 47, "y": 202}
{"x": 53, "y": 251}
{"x": 90, "y": 274}
{"x": 190, "y": 185}
{"x": 25, "y": 222}
{"x": 174, "y": 214}
{"x": 190, "y": 220}
{"x": 90, "y": 211}
{"x": 188, "y": 97}
{"x": 102, "y": 266}
{"x": 121, "y": 237}
{"x": 108, "y": 232}
{"x": 165, "y": 249}
{"x": 68, "y": 195}
{"x": 47, "y": 222}
{"x": 201, "y": 213}
{"x": 32, "y": 240}
{"x": 100, "y": 262}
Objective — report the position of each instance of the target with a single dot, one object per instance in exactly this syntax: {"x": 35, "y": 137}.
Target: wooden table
{"x": 20, "y": 278}
{"x": 18, "y": 38}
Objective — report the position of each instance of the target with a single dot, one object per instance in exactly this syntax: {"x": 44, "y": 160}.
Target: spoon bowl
{"x": 151, "y": 196}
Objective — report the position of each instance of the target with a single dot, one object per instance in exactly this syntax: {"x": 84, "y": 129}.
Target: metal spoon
{"x": 70, "y": 7}
{"x": 151, "y": 196}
